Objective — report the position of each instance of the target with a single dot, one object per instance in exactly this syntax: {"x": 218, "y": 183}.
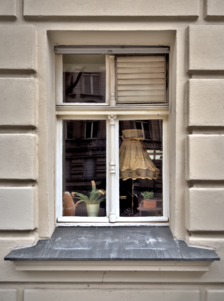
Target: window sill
{"x": 114, "y": 266}
{"x": 112, "y": 249}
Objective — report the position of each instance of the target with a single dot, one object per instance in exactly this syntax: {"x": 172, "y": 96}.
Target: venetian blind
{"x": 141, "y": 79}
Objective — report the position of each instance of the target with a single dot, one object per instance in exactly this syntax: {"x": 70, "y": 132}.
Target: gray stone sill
{"x": 114, "y": 266}
{"x": 112, "y": 249}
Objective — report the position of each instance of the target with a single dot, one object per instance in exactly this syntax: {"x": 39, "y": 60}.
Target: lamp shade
{"x": 134, "y": 161}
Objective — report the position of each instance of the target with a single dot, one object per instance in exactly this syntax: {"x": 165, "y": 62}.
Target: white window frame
{"x": 112, "y": 113}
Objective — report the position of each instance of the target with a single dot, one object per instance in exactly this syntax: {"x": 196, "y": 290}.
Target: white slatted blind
{"x": 141, "y": 79}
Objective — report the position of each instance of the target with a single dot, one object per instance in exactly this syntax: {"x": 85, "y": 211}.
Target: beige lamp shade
{"x": 134, "y": 161}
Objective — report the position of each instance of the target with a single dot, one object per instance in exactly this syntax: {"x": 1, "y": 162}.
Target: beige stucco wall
{"x": 194, "y": 29}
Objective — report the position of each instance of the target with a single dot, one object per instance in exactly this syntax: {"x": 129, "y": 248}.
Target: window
{"x": 112, "y": 146}
{"x": 84, "y": 78}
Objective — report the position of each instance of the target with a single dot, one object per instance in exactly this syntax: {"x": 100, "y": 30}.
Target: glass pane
{"x": 95, "y": 84}
{"x": 87, "y": 83}
{"x": 140, "y": 167}
{"x": 84, "y": 78}
{"x": 84, "y": 165}
{"x": 88, "y": 129}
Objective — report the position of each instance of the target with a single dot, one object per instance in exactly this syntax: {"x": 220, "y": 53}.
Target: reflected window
{"x": 84, "y": 78}
{"x": 84, "y": 178}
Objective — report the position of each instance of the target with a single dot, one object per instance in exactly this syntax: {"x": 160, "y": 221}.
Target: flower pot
{"x": 149, "y": 204}
{"x": 68, "y": 204}
{"x": 93, "y": 209}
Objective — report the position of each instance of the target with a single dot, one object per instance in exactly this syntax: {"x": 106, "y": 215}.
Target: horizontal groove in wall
{"x": 88, "y": 18}
{"x": 14, "y": 129}
{"x": 8, "y": 18}
{"x": 206, "y": 234}
{"x": 17, "y": 73}
{"x": 214, "y": 18}
{"x": 206, "y": 184}
{"x": 7, "y": 234}
{"x": 17, "y": 183}
{"x": 206, "y": 73}
{"x": 206, "y": 130}
{"x": 206, "y": 76}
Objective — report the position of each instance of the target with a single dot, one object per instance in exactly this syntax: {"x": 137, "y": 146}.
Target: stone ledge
{"x": 99, "y": 244}
{"x": 100, "y": 8}
{"x": 111, "y": 294}
{"x": 125, "y": 266}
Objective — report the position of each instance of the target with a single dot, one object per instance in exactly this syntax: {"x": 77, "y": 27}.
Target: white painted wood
{"x": 151, "y": 58}
{"x": 107, "y": 61}
{"x": 166, "y": 192}
{"x": 165, "y": 181}
{"x": 112, "y": 81}
{"x": 140, "y": 64}
{"x": 138, "y": 67}
{"x": 140, "y": 81}
{"x": 140, "y": 87}
{"x": 141, "y": 99}
{"x": 121, "y": 109}
{"x": 141, "y": 93}
{"x": 142, "y": 219}
{"x": 82, "y": 219}
{"x": 117, "y": 224}
{"x": 128, "y": 266}
{"x": 139, "y": 75}
{"x": 59, "y": 169}
{"x": 108, "y": 186}
{"x": 59, "y": 179}
{"x": 59, "y": 79}
{"x": 113, "y": 173}
{"x": 141, "y": 70}
{"x": 112, "y": 168}
{"x": 138, "y": 84}
{"x": 109, "y": 49}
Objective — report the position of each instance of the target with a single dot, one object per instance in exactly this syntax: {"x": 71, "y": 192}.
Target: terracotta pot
{"x": 68, "y": 204}
{"x": 93, "y": 209}
{"x": 149, "y": 204}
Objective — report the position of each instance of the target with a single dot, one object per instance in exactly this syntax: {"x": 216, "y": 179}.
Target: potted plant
{"x": 148, "y": 201}
{"x": 92, "y": 201}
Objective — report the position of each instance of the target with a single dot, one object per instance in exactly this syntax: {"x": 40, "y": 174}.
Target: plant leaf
{"x": 81, "y": 196}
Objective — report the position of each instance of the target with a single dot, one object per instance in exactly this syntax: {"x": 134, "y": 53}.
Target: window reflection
{"x": 84, "y": 78}
{"x": 140, "y": 164}
{"x": 84, "y": 180}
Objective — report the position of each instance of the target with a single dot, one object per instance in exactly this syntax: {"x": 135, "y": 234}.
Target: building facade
{"x": 42, "y": 154}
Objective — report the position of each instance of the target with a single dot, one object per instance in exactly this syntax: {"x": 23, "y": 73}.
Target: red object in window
{"x": 68, "y": 204}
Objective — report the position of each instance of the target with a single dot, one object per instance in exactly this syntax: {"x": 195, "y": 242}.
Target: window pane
{"x": 84, "y": 163}
{"x": 87, "y": 83}
{"x": 84, "y": 78}
{"x": 140, "y": 167}
{"x": 88, "y": 129}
